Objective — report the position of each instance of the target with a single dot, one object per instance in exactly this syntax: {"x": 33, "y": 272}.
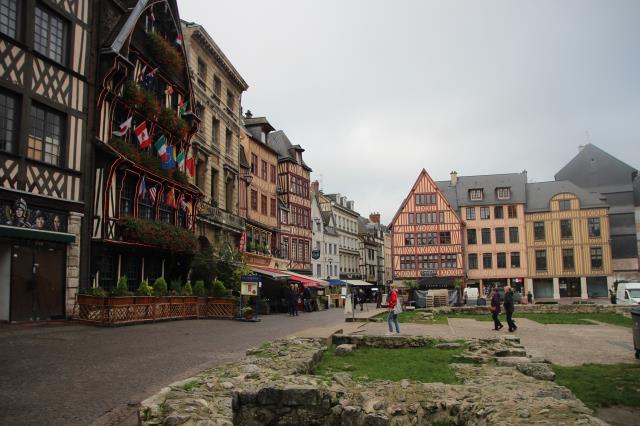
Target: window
{"x": 145, "y": 206}
{"x": 567, "y": 259}
{"x": 538, "y": 231}
{"x": 485, "y": 213}
{"x": 273, "y": 173}
{"x": 9, "y": 17}
{"x": 541, "y": 260}
{"x": 408, "y": 239}
{"x": 565, "y": 228}
{"x": 475, "y": 194}
{"x": 8, "y": 110}
{"x": 448, "y": 261}
{"x": 318, "y": 270}
{"x": 217, "y": 87}
{"x": 564, "y": 205}
{"x": 126, "y": 197}
{"x": 515, "y": 259}
{"x": 273, "y": 207}
{"x": 441, "y": 217}
{"x": 471, "y": 236}
{"x": 499, "y": 235}
{"x": 407, "y": 262}
{"x": 432, "y": 238}
{"x": 410, "y": 218}
{"x": 486, "y": 235}
{"x": 596, "y": 257}
{"x": 445, "y": 237}
{"x": 254, "y": 164}
{"x": 428, "y": 261}
{"x": 498, "y": 212}
{"x": 228, "y": 140}
{"x": 512, "y": 212}
{"x": 486, "y": 261}
{"x": 513, "y": 234}
{"x": 264, "y": 170}
{"x": 254, "y": 200}
{"x": 202, "y": 73}
{"x": 593, "y": 224}
{"x": 421, "y": 239}
{"x": 230, "y": 100}
{"x": 425, "y": 199}
{"x": 167, "y": 213}
{"x": 50, "y": 38}
{"x": 473, "y": 261}
{"x": 215, "y": 131}
{"x": 294, "y": 249}
{"x": 45, "y": 136}
{"x": 503, "y": 193}
{"x": 214, "y": 185}
{"x": 471, "y": 213}
{"x": 501, "y": 260}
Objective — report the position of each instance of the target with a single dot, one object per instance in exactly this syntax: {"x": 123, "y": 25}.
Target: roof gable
{"x": 594, "y": 168}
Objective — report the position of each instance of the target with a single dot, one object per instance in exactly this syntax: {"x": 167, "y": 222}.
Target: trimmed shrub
{"x": 160, "y": 287}
{"x": 198, "y": 289}
{"x": 218, "y": 289}
{"x": 187, "y": 290}
{"x": 144, "y": 289}
{"x": 175, "y": 287}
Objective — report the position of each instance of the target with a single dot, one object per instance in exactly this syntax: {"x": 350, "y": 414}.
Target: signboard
{"x": 320, "y": 292}
{"x": 249, "y": 286}
{"x": 315, "y": 254}
{"x": 17, "y": 213}
{"x": 429, "y": 273}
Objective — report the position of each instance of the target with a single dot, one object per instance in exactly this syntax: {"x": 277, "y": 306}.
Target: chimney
{"x": 454, "y": 178}
{"x": 580, "y": 148}
{"x": 316, "y": 186}
{"x": 350, "y": 205}
{"x": 375, "y": 217}
{"x": 248, "y": 114}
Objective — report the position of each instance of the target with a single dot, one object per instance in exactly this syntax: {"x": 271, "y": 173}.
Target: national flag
{"x": 147, "y": 79}
{"x": 169, "y": 90}
{"x": 179, "y": 39}
{"x": 190, "y": 165}
{"x": 142, "y": 192}
{"x": 169, "y": 162}
{"x": 180, "y": 202}
{"x": 180, "y": 159}
{"x": 170, "y": 199}
{"x": 153, "y": 17}
{"x": 182, "y": 107}
{"x": 141, "y": 73}
{"x": 153, "y": 192}
{"x": 124, "y": 127}
{"x": 143, "y": 136}
{"x": 161, "y": 147}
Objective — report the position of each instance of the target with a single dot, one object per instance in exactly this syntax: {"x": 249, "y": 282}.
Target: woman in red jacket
{"x": 393, "y": 316}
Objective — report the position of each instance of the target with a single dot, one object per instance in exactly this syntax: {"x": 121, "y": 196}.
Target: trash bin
{"x": 635, "y": 316}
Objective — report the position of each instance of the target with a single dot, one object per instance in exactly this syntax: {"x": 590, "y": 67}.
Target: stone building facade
{"x": 218, "y": 89}
{"x": 45, "y": 80}
{"x": 325, "y": 239}
{"x": 347, "y": 227}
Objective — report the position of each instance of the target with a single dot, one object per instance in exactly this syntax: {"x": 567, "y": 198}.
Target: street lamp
{"x": 330, "y": 269}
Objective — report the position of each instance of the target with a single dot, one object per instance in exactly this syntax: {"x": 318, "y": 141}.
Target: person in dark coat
{"x": 530, "y": 298}
{"x": 495, "y": 309}
{"x": 508, "y": 307}
{"x": 289, "y": 297}
{"x": 306, "y": 295}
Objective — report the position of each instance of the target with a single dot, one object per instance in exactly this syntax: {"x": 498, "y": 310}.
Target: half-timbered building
{"x": 427, "y": 237}
{"x": 144, "y": 204}
{"x": 295, "y": 202}
{"x": 44, "y": 86}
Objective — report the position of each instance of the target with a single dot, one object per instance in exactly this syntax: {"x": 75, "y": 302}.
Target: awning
{"x": 337, "y": 282}
{"x": 35, "y": 234}
{"x": 358, "y": 282}
{"x": 270, "y": 272}
{"x": 306, "y": 281}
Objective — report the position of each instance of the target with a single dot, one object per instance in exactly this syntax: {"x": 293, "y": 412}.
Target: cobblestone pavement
{"x": 70, "y": 374}
{"x": 561, "y": 344}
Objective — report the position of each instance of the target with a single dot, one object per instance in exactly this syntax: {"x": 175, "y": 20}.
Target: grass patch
{"x": 189, "y": 385}
{"x": 599, "y": 385}
{"x": 420, "y": 364}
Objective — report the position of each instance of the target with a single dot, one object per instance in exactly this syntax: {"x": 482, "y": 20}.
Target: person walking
{"x": 508, "y": 308}
{"x": 394, "y": 309}
{"x": 530, "y": 298}
{"x": 495, "y": 309}
{"x": 306, "y": 295}
{"x": 361, "y": 298}
{"x": 287, "y": 297}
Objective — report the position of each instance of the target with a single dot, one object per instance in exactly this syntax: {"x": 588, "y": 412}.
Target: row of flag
{"x": 169, "y": 157}
{"x": 170, "y": 198}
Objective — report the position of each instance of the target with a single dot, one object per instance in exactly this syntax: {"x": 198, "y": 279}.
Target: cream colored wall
{"x": 263, "y": 187}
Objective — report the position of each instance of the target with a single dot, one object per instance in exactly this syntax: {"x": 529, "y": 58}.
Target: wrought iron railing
{"x": 209, "y": 210}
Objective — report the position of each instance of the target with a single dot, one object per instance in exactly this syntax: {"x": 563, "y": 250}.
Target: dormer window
{"x": 476, "y": 194}
{"x": 503, "y": 193}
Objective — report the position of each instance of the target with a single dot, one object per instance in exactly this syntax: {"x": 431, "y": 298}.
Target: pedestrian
{"x": 295, "y": 299}
{"x": 361, "y": 298}
{"x": 287, "y": 297}
{"x": 306, "y": 296}
{"x": 612, "y": 296}
{"x": 508, "y": 308}
{"x": 530, "y": 298}
{"x": 495, "y": 309}
{"x": 394, "y": 310}
{"x": 292, "y": 300}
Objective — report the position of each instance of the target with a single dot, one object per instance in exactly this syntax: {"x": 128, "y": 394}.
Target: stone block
{"x": 344, "y": 349}
{"x": 376, "y": 419}
{"x": 512, "y": 361}
{"x": 269, "y": 395}
{"x": 301, "y": 395}
{"x": 448, "y": 345}
{"x": 511, "y": 353}
{"x": 538, "y": 371}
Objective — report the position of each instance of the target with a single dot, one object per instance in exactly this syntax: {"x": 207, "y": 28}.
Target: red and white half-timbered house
{"x": 427, "y": 237}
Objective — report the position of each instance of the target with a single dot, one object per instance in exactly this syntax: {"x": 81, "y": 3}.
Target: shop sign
{"x": 429, "y": 273}
{"x": 315, "y": 254}
{"x": 17, "y": 213}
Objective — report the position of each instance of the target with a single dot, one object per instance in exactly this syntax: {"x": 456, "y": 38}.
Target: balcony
{"x": 210, "y": 212}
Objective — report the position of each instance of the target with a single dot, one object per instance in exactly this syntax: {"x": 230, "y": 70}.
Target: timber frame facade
{"x": 427, "y": 237}
{"x": 44, "y": 87}
{"x": 143, "y": 76}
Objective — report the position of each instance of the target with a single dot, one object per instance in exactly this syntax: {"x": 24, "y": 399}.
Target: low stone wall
{"x": 540, "y": 309}
{"x": 273, "y": 384}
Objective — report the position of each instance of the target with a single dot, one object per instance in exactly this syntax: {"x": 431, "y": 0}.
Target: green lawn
{"x": 551, "y": 318}
{"x": 599, "y": 385}
{"x": 420, "y": 364}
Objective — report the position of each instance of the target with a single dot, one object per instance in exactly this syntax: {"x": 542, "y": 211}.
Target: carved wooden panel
{"x": 43, "y": 181}
{"x": 12, "y": 60}
{"x": 9, "y": 173}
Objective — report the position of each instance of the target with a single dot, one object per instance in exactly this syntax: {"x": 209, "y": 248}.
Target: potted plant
{"x": 144, "y": 294}
{"x": 248, "y": 313}
{"x": 91, "y": 296}
{"x": 160, "y": 290}
{"x": 121, "y": 294}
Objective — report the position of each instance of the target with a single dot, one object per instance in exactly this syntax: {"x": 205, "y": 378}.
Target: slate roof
{"x": 594, "y": 168}
{"x": 279, "y": 142}
{"x": 489, "y": 183}
{"x": 449, "y": 193}
{"x": 539, "y": 194}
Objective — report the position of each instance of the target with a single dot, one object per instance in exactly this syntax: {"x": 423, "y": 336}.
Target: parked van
{"x": 628, "y": 293}
{"x": 471, "y": 296}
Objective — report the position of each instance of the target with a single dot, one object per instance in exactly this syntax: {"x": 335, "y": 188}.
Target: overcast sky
{"x": 377, "y": 90}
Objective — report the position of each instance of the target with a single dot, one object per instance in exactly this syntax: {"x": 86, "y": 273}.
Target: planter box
{"x": 84, "y": 299}
{"x": 119, "y": 300}
{"x": 144, "y": 300}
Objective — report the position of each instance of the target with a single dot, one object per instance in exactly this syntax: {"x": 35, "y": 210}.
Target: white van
{"x": 471, "y": 296}
{"x": 628, "y": 293}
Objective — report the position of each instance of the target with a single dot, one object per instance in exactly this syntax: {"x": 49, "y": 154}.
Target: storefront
{"x": 39, "y": 260}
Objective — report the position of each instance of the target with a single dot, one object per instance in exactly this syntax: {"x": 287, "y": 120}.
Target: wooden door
{"x": 22, "y": 297}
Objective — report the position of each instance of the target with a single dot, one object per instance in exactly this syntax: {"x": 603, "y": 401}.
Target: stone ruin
{"x": 274, "y": 385}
